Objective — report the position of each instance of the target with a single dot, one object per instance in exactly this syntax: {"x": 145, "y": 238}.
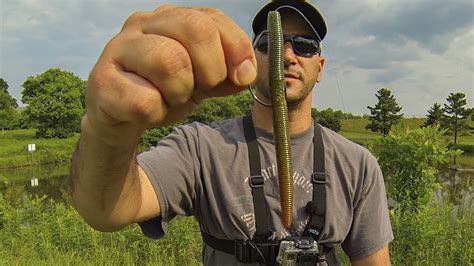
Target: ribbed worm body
{"x": 280, "y": 115}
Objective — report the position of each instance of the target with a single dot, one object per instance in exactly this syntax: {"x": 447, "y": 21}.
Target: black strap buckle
{"x": 256, "y": 181}
{"x": 318, "y": 178}
{"x": 242, "y": 252}
{"x": 249, "y": 251}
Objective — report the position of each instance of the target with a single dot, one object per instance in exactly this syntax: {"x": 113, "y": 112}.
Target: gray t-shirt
{"x": 203, "y": 171}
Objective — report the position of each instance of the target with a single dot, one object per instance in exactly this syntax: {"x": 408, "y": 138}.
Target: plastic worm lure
{"x": 280, "y": 115}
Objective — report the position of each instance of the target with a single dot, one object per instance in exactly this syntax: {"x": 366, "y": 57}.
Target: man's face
{"x": 301, "y": 73}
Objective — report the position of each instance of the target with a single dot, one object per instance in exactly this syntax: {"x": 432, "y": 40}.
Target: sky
{"x": 422, "y": 50}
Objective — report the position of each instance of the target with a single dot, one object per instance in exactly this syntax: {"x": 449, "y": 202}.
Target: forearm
{"x": 147, "y": 77}
{"x": 105, "y": 186}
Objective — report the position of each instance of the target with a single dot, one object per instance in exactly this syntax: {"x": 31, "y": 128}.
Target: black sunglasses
{"x": 303, "y": 45}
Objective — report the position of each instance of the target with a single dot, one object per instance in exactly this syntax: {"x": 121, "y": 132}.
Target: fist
{"x": 161, "y": 64}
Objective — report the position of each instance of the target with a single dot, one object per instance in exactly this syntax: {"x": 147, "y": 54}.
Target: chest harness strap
{"x": 259, "y": 249}
{"x": 256, "y": 181}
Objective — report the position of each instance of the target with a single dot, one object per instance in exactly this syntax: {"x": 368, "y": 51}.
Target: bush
{"x": 328, "y": 118}
{"x": 426, "y": 232}
{"x": 410, "y": 159}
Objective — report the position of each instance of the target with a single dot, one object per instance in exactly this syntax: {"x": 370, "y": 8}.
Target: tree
{"x": 3, "y": 84}
{"x": 435, "y": 115}
{"x": 471, "y": 113}
{"x": 221, "y": 108}
{"x": 7, "y": 99}
{"x": 55, "y": 104}
{"x": 385, "y": 113}
{"x": 152, "y": 136}
{"x": 244, "y": 101}
{"x": 8, "y": 105}
{"x": 328, "y": 118}
{"x": 456, "y": 113}
{"x": 470, "y": 116}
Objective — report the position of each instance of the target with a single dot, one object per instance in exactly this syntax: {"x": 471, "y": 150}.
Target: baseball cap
{"x": 308, "y": 11}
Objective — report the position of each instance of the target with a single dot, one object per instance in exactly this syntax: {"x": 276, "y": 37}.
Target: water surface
{"x": 53, "y": 181}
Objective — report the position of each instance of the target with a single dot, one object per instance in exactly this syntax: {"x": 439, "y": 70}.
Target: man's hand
{"x": 153, "y": 73}
{"x": 160, "y": 65}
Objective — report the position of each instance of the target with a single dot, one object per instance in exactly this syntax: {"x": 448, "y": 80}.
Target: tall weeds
{"x": 41, "y": 231}
{"x": 432, "y": 236}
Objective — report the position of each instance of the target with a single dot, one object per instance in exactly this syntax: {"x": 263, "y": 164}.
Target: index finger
{"x": 237, "y": 46}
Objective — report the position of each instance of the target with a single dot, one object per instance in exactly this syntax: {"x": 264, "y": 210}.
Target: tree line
{"x": 55, "y": 105}
{"x": 453, "y": 117}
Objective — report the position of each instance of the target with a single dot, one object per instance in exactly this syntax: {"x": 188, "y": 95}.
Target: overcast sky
{"x": 420, "y": 49}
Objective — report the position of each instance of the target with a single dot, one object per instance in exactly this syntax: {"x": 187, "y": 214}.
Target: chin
{"x": 294, "y": 99}
{"x": 295, "y": 94}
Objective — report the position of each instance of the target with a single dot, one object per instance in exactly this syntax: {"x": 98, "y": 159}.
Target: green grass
{"x": 43, "y": 232}
{"x": 465, "y": 139}
{"x": 358, "y": 124}
{"x": 466, "y": 160}
{"x": 412, "y": 123}
{"x": 13, "y": 143}
{"x": 354, "y": 129}
{"x": 13, "y": 151}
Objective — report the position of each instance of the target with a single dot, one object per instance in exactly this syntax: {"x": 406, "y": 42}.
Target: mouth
{"x": 291, "y": 76}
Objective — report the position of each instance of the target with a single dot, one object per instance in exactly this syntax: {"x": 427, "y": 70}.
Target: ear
{"x": 321, "y": 68}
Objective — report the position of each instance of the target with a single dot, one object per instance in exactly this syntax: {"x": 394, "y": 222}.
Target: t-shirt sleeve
{"x": 371, "y": 229}
{"x": 172, "y": 167}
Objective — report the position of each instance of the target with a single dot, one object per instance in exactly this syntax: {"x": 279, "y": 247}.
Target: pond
{"x": 43, "y": 180}
{"x": 53, "y": 181}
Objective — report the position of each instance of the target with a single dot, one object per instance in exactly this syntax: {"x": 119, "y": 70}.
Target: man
{"x": 155, "y": 72}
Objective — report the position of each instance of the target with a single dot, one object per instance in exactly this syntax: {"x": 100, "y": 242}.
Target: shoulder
{"x": 229, "y": 126}
{"x": 197, "y": 141}
{"x": 215, "y": 131}
{"x": 351, "y": 163}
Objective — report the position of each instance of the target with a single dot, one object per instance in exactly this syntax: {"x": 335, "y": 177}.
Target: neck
{"x": 299, "y": 117}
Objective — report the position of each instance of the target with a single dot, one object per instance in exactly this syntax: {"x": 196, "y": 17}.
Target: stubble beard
{"x": 292, "y": 101}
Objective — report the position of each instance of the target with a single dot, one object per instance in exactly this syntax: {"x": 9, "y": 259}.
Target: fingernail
{"x": 245, "y": 73}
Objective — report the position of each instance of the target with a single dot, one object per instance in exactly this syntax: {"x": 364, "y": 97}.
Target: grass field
{"x": 354, "y": 129}
{"x": 13, "y": 143}
{"x": 44, "y": 232}
{"x": 358, "y": 124}
{"x": 14, "y": 153}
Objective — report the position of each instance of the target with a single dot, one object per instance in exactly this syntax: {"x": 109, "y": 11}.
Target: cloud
{"x": 422, "y": 49}
{"x": 433, "y": 23}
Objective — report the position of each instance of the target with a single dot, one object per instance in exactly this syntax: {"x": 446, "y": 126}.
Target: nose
{"x": 289, "y": 56}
